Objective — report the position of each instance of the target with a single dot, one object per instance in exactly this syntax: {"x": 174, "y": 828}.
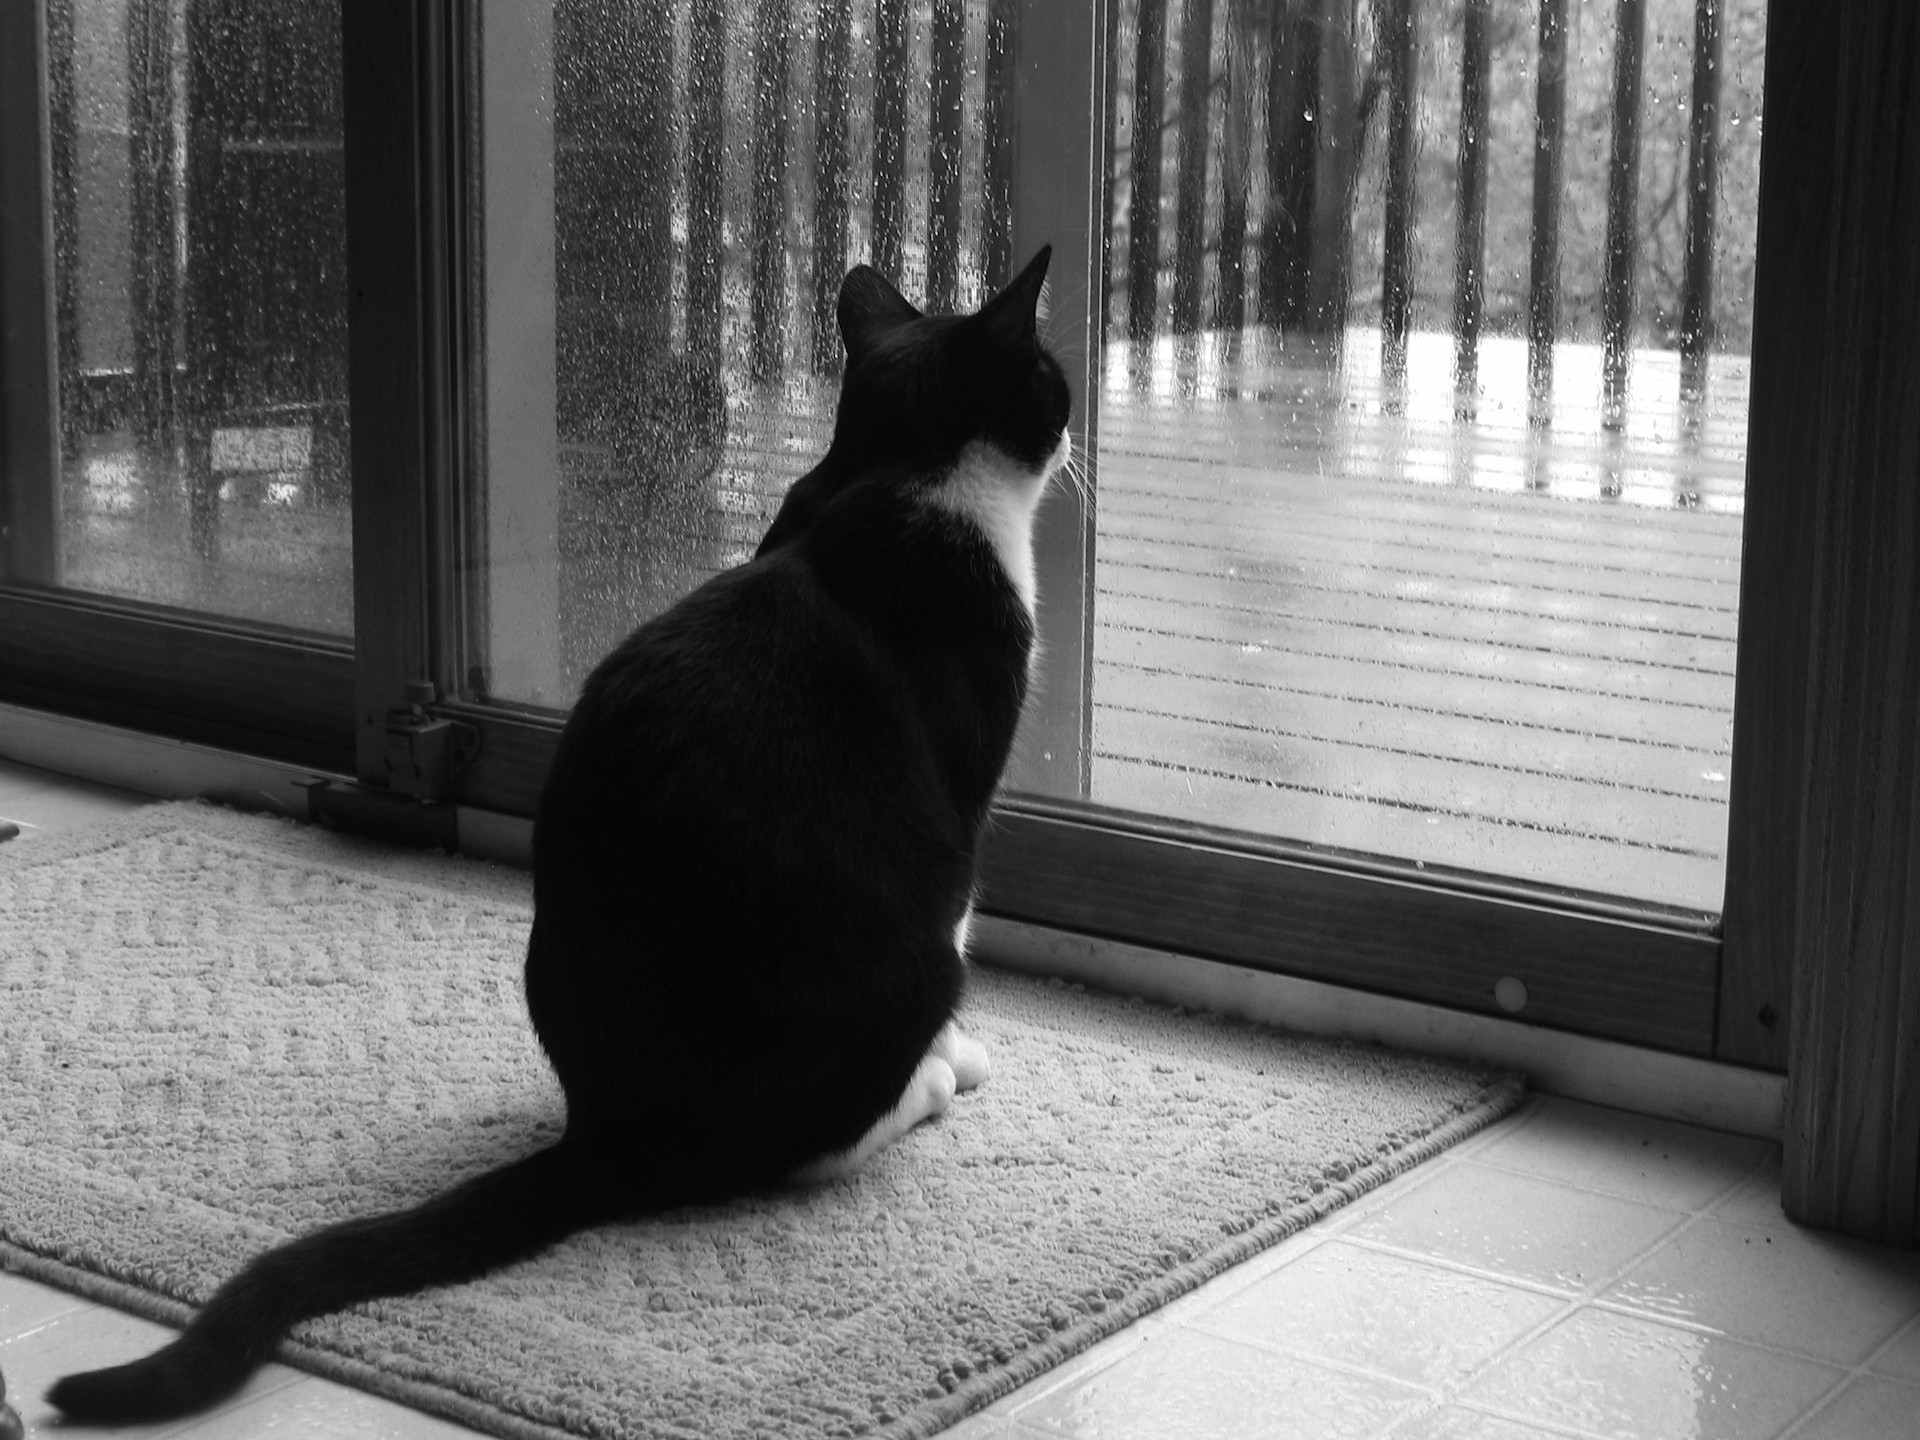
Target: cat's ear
{"x": 869, "y": 307}
{"x": 1015, "y": 311}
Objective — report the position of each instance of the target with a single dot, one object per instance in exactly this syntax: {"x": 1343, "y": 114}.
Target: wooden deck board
{"x": 1205, "y": 543}
{"x": 1446, "y": 688}
{"x": 1426, "y": 779}
{"x": 1401, "y": 718}
{"x": 1384, "y": 828}
{"x": 1240, "y": 606}
{"x": 1539, "y": 686}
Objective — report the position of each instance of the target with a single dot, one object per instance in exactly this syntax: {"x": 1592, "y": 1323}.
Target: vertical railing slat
{"x": 1293, "y": 146}
{"x": 768, "y": 206}
{"x": 1470, "y": 223}
{"x": 1549, "y": 146}
{"x": 1143, "y": 206}
{"x": 155, "y": 261}
{"x": 1396, "y": 279}
{"x": 62, "y": 175}
{"x": 996, "y": 183}
{"x": 204, "y": 341}
{"x": 1703, "y": 171}
{"x": 832, "y": 176}
{"x": 889, "y": 136}
{"x": 1190, "y": 206}
{"x": 1109, "y": 178}
{"x": 1236, "y": 167}
{"x": 705, "y": 156}
{"x": 1623, "y": 203}
{"x": 948, "y": 59}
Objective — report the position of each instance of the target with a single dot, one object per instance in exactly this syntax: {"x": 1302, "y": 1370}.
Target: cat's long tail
{"x": 488, "y": 1221}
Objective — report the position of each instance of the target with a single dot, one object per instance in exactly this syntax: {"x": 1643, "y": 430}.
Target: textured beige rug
{"x": 219, "y": 1030}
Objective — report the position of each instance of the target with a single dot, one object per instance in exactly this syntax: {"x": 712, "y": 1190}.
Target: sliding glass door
{"x": 1393, "y": 645}
{"x": 198, "y": 273}
{"x": 178, "y": 487}
{"x": 664, "y": 199}
{"x": 669, "y": 195}
{"x": 1423, "y": 431}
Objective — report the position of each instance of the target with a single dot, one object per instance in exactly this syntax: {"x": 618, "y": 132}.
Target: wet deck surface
{"x": 1321, "y": 612}
{"x": 1378, "y": 628}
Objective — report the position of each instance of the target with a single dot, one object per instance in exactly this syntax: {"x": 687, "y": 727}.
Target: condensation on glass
{"x": 199, "y": 274}
{"x": 672, "y": 191}
{"x": 1422, "y": 428}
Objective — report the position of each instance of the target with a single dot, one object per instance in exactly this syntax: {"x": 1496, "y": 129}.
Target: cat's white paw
{"x": 936, "y": 1083}
{"x": 966, "y": 1055}
{"x": 928, "y": 1093}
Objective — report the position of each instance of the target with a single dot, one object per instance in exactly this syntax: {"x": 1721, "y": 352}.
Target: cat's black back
{"x": 754, "y": 846}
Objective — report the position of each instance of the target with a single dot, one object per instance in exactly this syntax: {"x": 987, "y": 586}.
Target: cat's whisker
{"x": 1065, "y": 300}
{"x": 1079, "y": 476}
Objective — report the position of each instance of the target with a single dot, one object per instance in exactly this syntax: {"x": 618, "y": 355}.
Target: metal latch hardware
{"x": 424, "y": 751}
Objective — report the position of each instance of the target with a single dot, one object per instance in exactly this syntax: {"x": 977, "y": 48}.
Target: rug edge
{"x": 1502, "y": 1098}
{"x": 302, "y": 841}
{"x": 1497, "y": 1097}
{"x": 134, "y": 1300}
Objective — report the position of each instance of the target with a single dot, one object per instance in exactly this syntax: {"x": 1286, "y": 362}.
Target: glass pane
{"x": 199, "y": 274}
{"x": 1422, "y": 432}
{"x": 673, "y": 190}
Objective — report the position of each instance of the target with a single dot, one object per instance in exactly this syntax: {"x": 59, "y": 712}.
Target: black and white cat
{"x": 754, "y": 856}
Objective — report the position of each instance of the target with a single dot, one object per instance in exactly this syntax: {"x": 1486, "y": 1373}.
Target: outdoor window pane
{"x": 199, "y": 279}
{"x": 1422, "y": 432}
{"x": 672, "y": 191}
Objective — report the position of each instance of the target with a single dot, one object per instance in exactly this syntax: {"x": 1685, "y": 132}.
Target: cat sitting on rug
{"x": 754, "y": 855}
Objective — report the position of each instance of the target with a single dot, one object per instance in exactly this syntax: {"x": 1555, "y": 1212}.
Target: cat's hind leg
{"x": 928, "y": 1093}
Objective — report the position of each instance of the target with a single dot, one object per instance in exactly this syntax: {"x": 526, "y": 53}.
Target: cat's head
{"x": 920, "y": 389}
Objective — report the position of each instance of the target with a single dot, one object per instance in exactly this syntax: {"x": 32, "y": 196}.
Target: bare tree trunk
{"x": 832, "y": 177}
{"x": 1236, "y": 162}
{"x": 1336, "y": 159}
{"x": 943, "y": 155}
{"x": 767, "y": 291}
{"x": 1293, "y": 85}
{"x": 1190, "y": 214}
{"x": 706, "y": 89}
{"x": 1143, "y": 210}
{"x": 889, "y": 136}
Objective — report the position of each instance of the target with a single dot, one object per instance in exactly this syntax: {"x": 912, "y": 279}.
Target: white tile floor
{"x": 1570, "y": 1272}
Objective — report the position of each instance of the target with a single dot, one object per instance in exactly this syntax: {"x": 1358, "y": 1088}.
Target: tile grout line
{"x": 1910, "y": 1326}
{"x": 1705, "y": 1211}
{"x": 1515, "y": 1417}
{"x": 1849, "y": 1375}
{"x": 1450, "y": 1392}
{"x": 1320, "y": 1362}
{"x": 1707, "y": 1207}
{"x": 1447, "y": 1392}
{"x": 1570, "y": 1305}
{"x": 1328, "y": 1228}
{"x": 1309, "y": 1239}
{"x": 295, "y": 1381}
{"x": 48, "y": 1323}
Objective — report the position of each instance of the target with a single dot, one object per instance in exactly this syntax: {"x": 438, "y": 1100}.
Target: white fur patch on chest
{"x": 998, "y": 497}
